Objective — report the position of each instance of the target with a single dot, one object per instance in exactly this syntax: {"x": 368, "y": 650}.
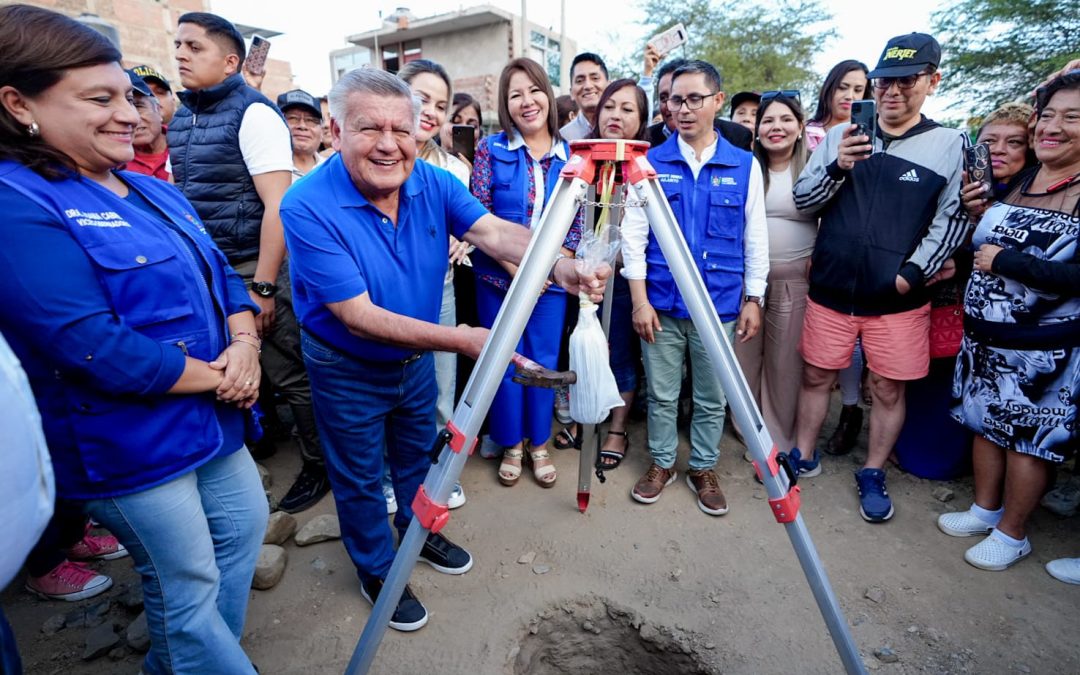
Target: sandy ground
{"x": 664, "y": 588}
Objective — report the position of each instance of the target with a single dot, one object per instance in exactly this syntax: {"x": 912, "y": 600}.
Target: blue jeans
{"x": 520, "y": 413}
{"x": 194, "y": 542}
{"x": 362, "y": 407}
{"x": 10, "y": 664}
{"x": 664, "y": 370}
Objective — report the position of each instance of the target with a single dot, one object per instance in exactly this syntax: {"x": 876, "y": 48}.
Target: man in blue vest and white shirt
{"x": 232, "y": 158}
{"x": 715, "y": 191}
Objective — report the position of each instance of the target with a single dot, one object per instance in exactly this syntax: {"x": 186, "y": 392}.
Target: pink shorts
{"x": 897, "y": 346}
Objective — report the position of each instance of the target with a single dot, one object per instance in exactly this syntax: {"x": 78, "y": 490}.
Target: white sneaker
{"x": 391, "y": 500}
{"x": 963, "y": 524}
{"x": 1063, "y": 500}
{"x": 995, "y": 555}
{"x": 1065, "y": 569}
{"x": 456, "y": 498}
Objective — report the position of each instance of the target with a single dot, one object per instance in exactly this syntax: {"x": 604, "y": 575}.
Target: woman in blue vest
{"x": 514, "y": 175}
{"x": 137, "y": 338}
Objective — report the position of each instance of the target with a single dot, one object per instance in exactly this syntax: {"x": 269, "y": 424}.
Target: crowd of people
{"x": 182, "y": 260}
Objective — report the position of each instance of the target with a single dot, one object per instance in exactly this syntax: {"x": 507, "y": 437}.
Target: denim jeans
{"x": 194, "y": 542}
{"x": 663, "y": 370}
{"x": 10, "y": 664}
{"x": 362, "y": 407}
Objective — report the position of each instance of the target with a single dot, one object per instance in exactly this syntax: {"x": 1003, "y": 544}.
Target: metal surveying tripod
{"x": 455, "y": 443}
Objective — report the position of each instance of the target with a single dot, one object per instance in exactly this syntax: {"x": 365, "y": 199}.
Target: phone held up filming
{"x": 864, "y": 117}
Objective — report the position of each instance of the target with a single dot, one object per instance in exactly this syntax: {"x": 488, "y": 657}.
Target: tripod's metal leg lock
{"x": 456, "y": 439}
{"x": 785, "y": 509}
{"x": 432, "y": 516}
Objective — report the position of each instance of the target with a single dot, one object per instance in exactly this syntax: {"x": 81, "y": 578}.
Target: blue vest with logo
{"x": 711, "y": 213}
{"x": 204, "y": 148}
{"x": 510, "y": 171}
{"x": 104, "y": 443}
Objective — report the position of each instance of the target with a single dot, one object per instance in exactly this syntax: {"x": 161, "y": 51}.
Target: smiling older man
{"x": 368, "y": 235}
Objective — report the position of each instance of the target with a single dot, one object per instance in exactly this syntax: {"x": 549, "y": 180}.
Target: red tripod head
{"x": 589, "y": 155}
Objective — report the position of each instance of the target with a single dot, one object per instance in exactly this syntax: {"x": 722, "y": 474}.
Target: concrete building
{"x": 144, "y": 30}
{"x": 473, "y": 44}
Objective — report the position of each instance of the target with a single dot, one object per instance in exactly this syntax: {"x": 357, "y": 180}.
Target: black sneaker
{"x": 311, "y": 485}
{"x": 445, "y": 556}
{"x": 410, "y": 614}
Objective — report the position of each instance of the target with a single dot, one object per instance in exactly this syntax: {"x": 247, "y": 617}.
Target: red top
{"x": 150, "y": 164}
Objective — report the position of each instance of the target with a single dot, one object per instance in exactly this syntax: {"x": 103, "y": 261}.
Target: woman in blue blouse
{"x": 514, "y": 175}
{"x": 137, "y": 338}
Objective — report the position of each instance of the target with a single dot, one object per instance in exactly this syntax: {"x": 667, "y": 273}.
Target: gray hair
{"x": 369, "y": 80}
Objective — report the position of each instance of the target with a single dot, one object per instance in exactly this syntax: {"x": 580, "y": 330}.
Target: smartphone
{"x": 256, "y": 57}
{"x": 978, "y": 166}
{"x": 669, "y": 39}
{"x": 464, "y": 136}
{"x": 864, "y": 116}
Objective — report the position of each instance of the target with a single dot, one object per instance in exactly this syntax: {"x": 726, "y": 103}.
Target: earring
{"x": 33, "y": 129}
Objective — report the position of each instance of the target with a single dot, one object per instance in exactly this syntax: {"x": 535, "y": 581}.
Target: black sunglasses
{"x": 781, "y": 93}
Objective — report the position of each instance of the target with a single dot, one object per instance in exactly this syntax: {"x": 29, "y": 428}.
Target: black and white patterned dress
{"x": 1018, "y": 372}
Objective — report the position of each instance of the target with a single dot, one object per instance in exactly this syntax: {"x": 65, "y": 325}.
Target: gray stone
{"x": 137, "y": 634}
{"x": 319, "y": 528}
{"x": 875, "y": 594}
{"x": 279, "y": 528}
{"x": 527, "y": 558}
{"x": 84, "y": 618}
{"x": 886, "y": 655}
{"x": 100, "y": 641}
{"x": 118, "y": 653}
{"x": 943, "y": 494}
{"x": 675, "y": 574}
{"x": 271, "y": 501}
{"x": 132, "y": 597}
{"x": 270, "y": 566}
{"x": 541, "y": 569}
{"x": 264, "y": 475}
{"x": 53, "y": 625}
{"x": 321, "y": 566}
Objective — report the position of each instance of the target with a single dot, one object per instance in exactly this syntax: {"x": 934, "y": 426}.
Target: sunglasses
{"x": 906, "y": 82}
{"x": 769, "y": 96}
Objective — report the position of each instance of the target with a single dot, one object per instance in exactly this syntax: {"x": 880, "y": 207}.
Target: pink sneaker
{"x": 69, "y": 581}
{"x": 93, "y": 547}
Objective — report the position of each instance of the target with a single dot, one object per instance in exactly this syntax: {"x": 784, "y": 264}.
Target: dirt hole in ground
{"x": 595, "y": 636}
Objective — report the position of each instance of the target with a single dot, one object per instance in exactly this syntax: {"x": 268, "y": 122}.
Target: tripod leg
{"x": 743, "y": 407}
{"x": 430, "y": 503}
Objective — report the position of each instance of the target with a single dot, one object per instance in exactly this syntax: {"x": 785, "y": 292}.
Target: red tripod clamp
{"x": 589, "y": 156}
{"x": 431, "y": 515}
{"x": 785, "y": 509}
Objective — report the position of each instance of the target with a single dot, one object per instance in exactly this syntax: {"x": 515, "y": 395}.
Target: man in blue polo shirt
{"x": 368, "y": 234}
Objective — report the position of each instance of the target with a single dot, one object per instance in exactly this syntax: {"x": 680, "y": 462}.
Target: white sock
{"x": 989, "y": 517}
{"x": 1006, "y": 539}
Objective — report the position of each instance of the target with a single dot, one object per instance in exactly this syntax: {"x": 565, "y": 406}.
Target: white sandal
{"x": 510, "y": 473}
{"x": 545, "y": 475}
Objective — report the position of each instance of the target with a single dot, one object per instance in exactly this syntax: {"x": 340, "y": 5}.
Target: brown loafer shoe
{"x": 648, "y": 488}
{"x": 706, "y": 485}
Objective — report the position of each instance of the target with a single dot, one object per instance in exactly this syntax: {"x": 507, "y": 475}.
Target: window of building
{"x": 547, "y": 53}
{"x": 343, "y": 63}
{"x": 411, "y": 51}
{"x": 390, "y": 60}
{"x": 396, "y": 55}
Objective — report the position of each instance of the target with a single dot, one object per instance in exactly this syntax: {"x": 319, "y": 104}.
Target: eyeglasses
{"x": 693, "y": 101}
{"x": 781, "y": 93}
{"x": 308, "y": 120}
{"x": 904, "y": 83}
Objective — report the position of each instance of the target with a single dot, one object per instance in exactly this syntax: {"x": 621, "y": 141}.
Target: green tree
{"x": 999, "y": 50}
{"x": 754, "y": 47}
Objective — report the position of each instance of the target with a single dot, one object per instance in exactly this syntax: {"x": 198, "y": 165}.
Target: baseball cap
{"x": 299, "y": 97}
{"x": 907, "y": 55}
{"x": 149, "y": 73}
{"x": 744, "y": 97}
{"x": 138, "y": 84}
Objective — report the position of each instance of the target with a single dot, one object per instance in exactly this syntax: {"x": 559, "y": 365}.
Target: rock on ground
{"x": 100, "y": 641}
{"x": 264, "y": 474}
{"x": 138, "y": 635}
{"x": 270, "y": 566}
{"x": 279, "y": 528}
{"x": 319, "y": 528}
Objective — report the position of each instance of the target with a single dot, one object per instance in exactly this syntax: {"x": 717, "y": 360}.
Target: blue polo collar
{"x": 347, "y": 195}
{"x": 515, "y": 141}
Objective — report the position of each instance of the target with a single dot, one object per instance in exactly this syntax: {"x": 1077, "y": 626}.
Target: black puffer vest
{"x": 204, "y": 147}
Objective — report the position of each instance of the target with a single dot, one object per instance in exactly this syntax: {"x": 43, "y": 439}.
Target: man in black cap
{"x": 744, "y": 107}
{"x": 159, "y": 86}
{"x": 890, "y": 220}
{"x": 303, "y": 115}
{"x": 151, "y": 147}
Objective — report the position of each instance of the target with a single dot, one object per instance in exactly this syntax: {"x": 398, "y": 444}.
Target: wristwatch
{"x": 264, "y": 289}
{"x": 756, "y": 299}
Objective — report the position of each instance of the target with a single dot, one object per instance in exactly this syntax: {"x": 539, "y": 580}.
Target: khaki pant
{"x": 771, "y": 361}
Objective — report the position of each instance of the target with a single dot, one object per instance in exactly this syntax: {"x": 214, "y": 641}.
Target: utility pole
{"x": 524, "y": 31}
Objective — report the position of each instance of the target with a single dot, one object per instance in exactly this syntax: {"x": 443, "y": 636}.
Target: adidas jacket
{"x": 897, "y": 212}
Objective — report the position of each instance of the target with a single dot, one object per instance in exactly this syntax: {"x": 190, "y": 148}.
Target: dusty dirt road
{"x": 659, "y": 589}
